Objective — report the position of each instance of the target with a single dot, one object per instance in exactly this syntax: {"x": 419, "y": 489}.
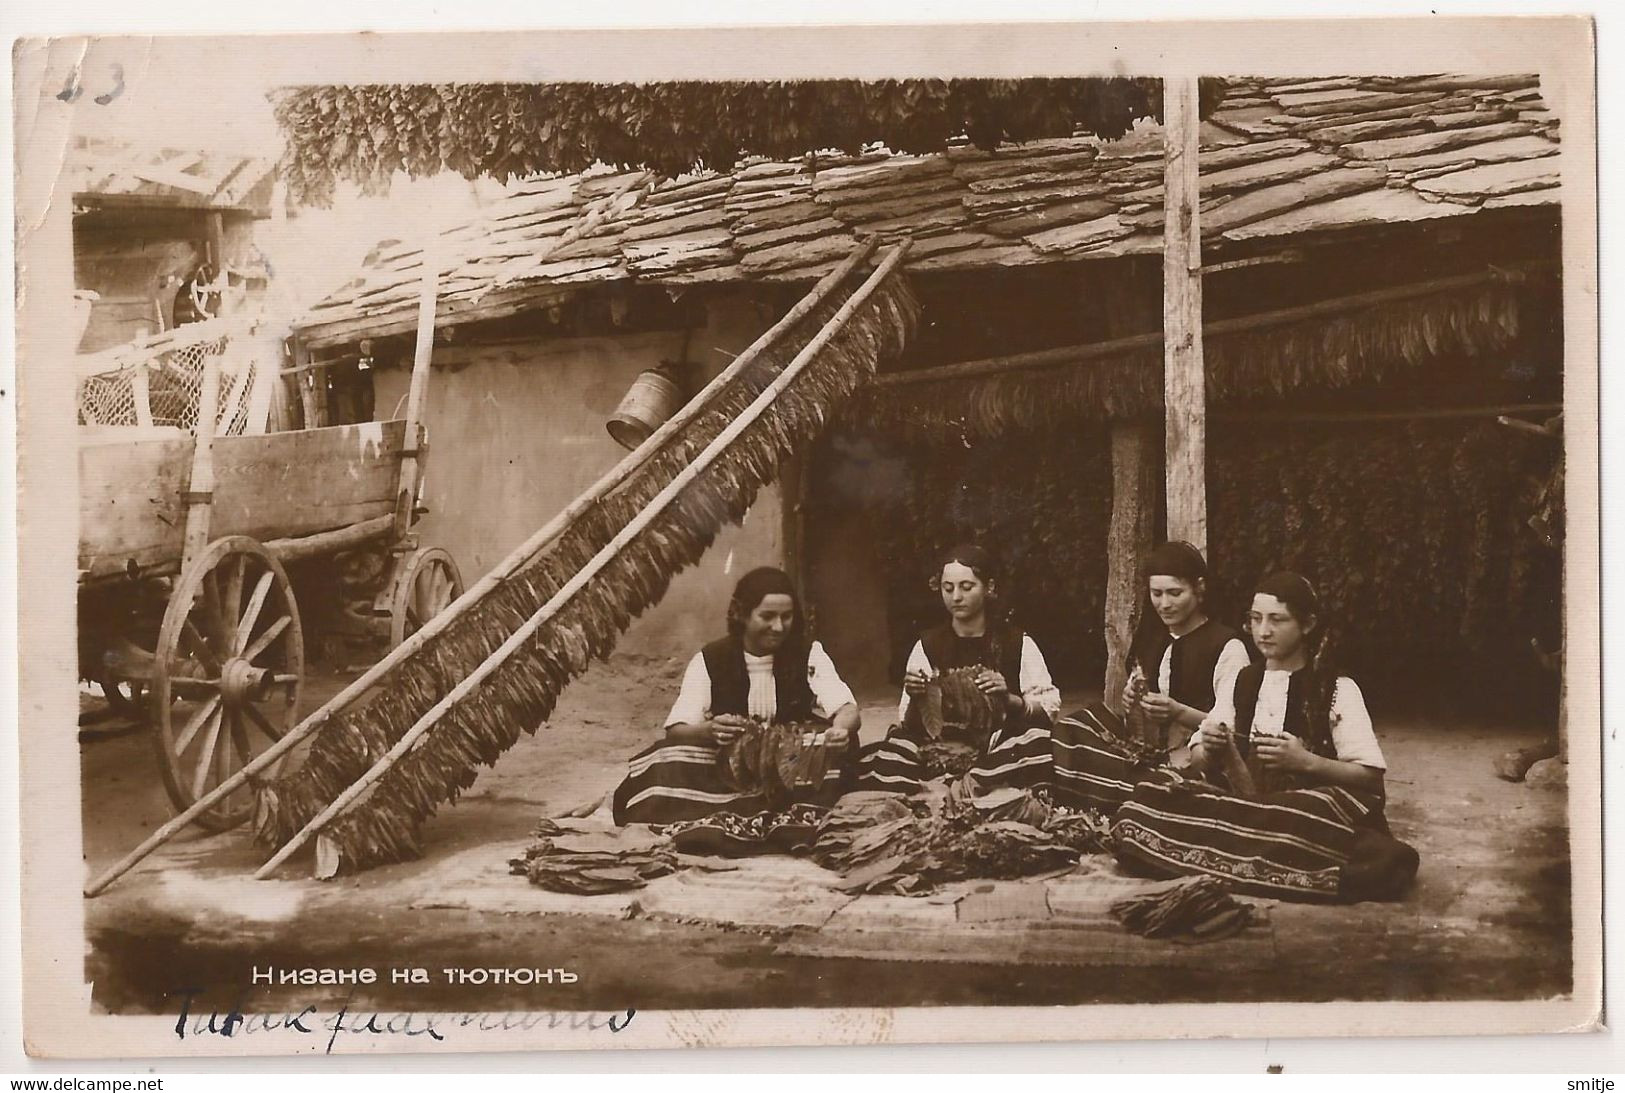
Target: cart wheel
{"x": 426, "y": 584}
{"x": 226, "y": 682}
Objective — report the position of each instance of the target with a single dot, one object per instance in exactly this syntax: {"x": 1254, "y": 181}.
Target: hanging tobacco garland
{"x": 1320, "y": 352}
{"x": 518, "y": 696}
{"x": 1415, "y": 535}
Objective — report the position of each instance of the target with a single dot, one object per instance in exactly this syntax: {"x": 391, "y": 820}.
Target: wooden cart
{"x": 186, "y": 612}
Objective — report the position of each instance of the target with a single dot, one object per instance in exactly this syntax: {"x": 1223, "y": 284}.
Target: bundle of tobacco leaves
{"x": 730, "y": 835}
{"x": 553, "y": 863}
{"x": 1010, "y": 803}
{"x": 774, "y": 759}
{"x": 519, "y": 695}
{"x": 955, "y": 708}
{"x": 1193, "y": 908}
{"x": 947, "y": 758}
{"x": 910, "y": 850}
{"x": 1000, "y": 849}
{"x": 1088, "y": 831}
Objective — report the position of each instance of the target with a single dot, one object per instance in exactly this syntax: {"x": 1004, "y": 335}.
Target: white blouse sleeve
{"x": 693, "y": 705}
{"x": 917, "y": 662}
{"x": 1224, "y": 705}
{"x": 830, "y": 692}
{"x": 1352, "y": 734}
{"x": 1038, "y": 691}
{"x": 1232, "y": 659}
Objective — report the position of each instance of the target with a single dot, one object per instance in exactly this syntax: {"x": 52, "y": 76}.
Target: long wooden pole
{"x": 587, "y": 573}
{"x": 1078, "y": 354}
{"x": 1184, "y": 382}
{"x": 200, "y": 486}
{"x": 516, "y": 560}
{"x": 1131, "y": 309}
{"x": 411, "y": 460}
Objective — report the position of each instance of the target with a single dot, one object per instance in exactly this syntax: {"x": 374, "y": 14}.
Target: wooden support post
{"x": 199, "y": 496}
{"x": 1131, "y": 309}
{"x": 217, "y": 261}
{"x": 141, "y": 392}
{"x": 411, "y": 461}
{"x": 303, "y": 377}
{"x": 1184, "y": 394}
{"x": 1128, "y": 539}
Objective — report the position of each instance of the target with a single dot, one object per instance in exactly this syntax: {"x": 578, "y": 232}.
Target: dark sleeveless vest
{"x": 1190, "y": 669}
{"x": 730, "y": 683}
{"x": 999, "y": 648}
{"x": 1249, "y": 681}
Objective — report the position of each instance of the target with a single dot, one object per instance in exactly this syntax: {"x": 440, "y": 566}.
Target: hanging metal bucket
{"x": 650, "y": 402}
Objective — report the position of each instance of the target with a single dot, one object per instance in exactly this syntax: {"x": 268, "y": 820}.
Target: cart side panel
{"x": 130, "y": 507}
{"x": 273, "y": 486}
{"x": 282, "y": 485}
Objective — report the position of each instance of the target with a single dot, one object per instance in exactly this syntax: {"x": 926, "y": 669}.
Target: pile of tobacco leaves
{"x": 882, "y": 843}
{"x": 590, "y": 865}
{"x": 1189, "y": 909}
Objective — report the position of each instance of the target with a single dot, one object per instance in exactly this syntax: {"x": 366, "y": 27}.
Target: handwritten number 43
{"x": 72, "y": 89}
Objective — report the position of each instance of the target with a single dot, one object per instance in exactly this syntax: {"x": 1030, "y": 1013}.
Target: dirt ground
{"x": 1488, "y": 919}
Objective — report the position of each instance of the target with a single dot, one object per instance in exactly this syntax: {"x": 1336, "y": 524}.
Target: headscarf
{"x": 1177, "y": 559}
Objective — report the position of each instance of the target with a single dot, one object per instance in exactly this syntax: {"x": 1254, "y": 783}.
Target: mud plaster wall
{"x": 516, "y": 432}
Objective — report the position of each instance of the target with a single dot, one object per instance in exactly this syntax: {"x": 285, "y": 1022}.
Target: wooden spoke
{"x": 214, "y": 614}
{"x": 234, "y": 725}
{"x": 236, "y": 568}
{"x": 204, "y": 712}
{"x": 218, "y": 612}
{"x": 427, "y": 583}
{"x": 200, "y": 776}
{"x": 260, "y": 719}
{"x": 190, "y": 688}
{"x": 251, "y": 614}
{"x": 200, "y": 646}
{"x": 263, "y": 642}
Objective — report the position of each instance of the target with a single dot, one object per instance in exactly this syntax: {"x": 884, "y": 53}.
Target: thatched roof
{"x": 107, "y": 173}
{"x": 1279, "y": 159}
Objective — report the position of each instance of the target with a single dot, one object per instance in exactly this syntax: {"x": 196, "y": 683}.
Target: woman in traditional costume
{"x": 1179, "y": 662}
{"x": 996, "y": 658}
{"x": 763, "y": 671}
{"x": 1301, "y": 814}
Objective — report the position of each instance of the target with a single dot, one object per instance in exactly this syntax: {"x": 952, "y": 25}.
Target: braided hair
{"x": 1320, "y": 665}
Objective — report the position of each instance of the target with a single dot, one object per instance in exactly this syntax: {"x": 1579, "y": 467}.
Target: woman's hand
{"x": 1285, "y": 753}
{"x": 992, "y": 684}
{"x": 914, "y": 682}
{"x": 836, "y": 736}
{"x": 728, "y": 727}
{"x": 1213, "y": 737}
{"x": 1160, "y": 707}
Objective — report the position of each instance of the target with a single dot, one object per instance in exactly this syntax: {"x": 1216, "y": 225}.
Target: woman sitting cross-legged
{"x": 1003, "y": 663}
{"x": 764, "y": 670}
{"x": 1302, "y": 813}
{"x": 1180, "y": 660}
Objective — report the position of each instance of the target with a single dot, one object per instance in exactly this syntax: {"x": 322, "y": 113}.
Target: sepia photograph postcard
{"x": 807, "y": 536}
